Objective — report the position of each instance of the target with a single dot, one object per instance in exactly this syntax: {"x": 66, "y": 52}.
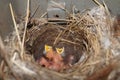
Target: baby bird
{"x": 61, "y": 51}
{"x": 53, "y": 59}
{"x": 48, "y": 48}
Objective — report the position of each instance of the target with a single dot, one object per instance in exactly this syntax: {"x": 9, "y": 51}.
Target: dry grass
{"x": 85, "y": 30}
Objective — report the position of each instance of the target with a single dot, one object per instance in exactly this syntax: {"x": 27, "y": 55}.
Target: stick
{"x": 60, "y": 6}
{"x": 34, "y": 12}
{"x": 57, "y": 38}
{"x": 69, "y": 41}
{"x": 43, "y": 15}
{"x": 98, "y": 3}
{"x": 27, "y": 15}
{"x": 15, "y": 25}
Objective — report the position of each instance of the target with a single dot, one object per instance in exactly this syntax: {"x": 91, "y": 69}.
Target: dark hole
{"x": 29, "y": 25}
{"x": 57, "y": 16}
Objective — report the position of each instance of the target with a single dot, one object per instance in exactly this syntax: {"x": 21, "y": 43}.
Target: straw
{"x": 15, "y": 25}
{"x": 27, "y": 16}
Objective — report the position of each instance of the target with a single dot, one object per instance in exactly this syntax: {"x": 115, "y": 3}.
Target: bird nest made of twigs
{"x": 49, "y": 51}
{"x": 73, "y": 42}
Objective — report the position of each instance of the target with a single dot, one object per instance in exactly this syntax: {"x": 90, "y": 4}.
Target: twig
{"x": 57, "y": 4}
{"x": 43, "y": 15}
{"x": 27, "y": 15}
{"x": 34, "y": 12}
{"x": 69, "y": 41}
{"x": 55, "y": 19}
{"x": 98, "y": 3}
{"x": 15, "y": 25}
{"x": 64, "y": 28}
{"x": 57, "y": 38}
{"x": 78, "y": 21}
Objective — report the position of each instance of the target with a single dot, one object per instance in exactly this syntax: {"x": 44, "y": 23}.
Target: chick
{"x": 61, "y": 51}
{"x": 47, "y": 48}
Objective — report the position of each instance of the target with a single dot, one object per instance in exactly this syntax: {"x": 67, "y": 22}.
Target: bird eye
{"x": 47, "y": 48}
{"x": 60, "y": 50}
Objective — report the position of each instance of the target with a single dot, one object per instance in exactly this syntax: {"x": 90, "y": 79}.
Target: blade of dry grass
{"x": 27, "y": 16}
{"x": 57, "y": 4}
{"x": 34, "y": 12}
{"x": 69, "y": 41}
{"x": 57, "y": 38}
{"x": 43, "y": 15}
{"x": 15, "y": 25}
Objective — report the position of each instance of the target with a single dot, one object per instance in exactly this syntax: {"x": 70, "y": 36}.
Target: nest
{"x": 85, "y": 37}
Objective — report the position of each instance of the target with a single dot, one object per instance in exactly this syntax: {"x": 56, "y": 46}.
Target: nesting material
{"x": 54, "y": 36}
{"x": 82, "y": 50}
